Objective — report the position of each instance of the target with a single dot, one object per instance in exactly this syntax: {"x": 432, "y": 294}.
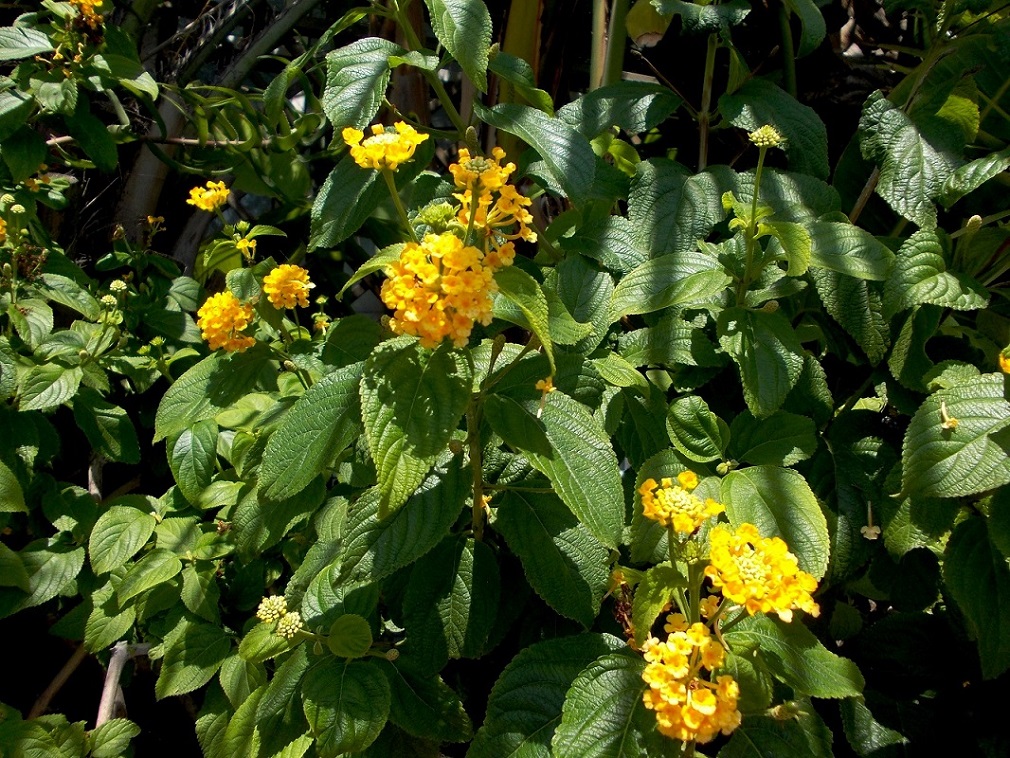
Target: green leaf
{"x": 12, "y": 497}
{"x": 107, "y": 427}
{"x": 117, "y": 536}
{"x": 33, "y": 320}
{"x": 23, "y": 151}
{"x": 22, "y": 42}
{"x": 261, "y": 522}
{"x": 671, "y": 342}
{"x": 92, "y": 135}
{"x": 107, "y": 621}
{"x": 464, "y": 29}
{"x": 567, "y": 154}
{"x": 779, "y": 502}
{"x": 348, "y": 196}
{"x": 377, "y": 262}
{"x": 374, "y": 547}
{"x": 12, "y": 570}
{"x": 610, "y": 240}
{"x": 793, "y": 653}
{"x": 848, "y": 249}
{"x": 695, "y": 431}
{"x": 411, "y": 402}
{"x": 582, "y": 467}
{"x": 112, "y": 739}
{"x": 701, "y": 19}
{"x": 423, "y": 705}
{"x": 451, "y": 601}
{"x": 520, "y": 75}
{"x": 200, "y": 593}
{"x": 523, "y": 291}
{"x": 686, "y": 278}
{"x": 346, "y": 704}
{"x": 913, "y": 170}
{"x": 858, "y": 306}
{"x": 525, "y": 705}
{"x": 192, "y": 657}
{"x": 44, "y": 387}
{"x": 653, "y": 593}
{"x": 356, "y": 79}
{"x": 192, "y": 455}
{"x": 965, "y": 460}
{"x": 242, "y": 735}
{"x": 921, "y": 276}
{"x": 15, "y": 109}
{"x": 158, "y": 566}
{"x": 350, "y": 636}
{"x": 261, "y": 644}
{"x": 760, "y": 736}
{"x": 794, "y": 241}
{"x": 563, "y": 562}
{"x": 50, "y": 569}
{"x": 759, "y": 102}
{"x": 324, "y": 421}
{"x": 865, "y": 734}
{"x": 768, "y": 353}
{"x": 782, "y": 439}
{"x": 973, "y": 175}
{"x": 635, "y": 107}
{"x": 604, "y": 715}
{"x": 618, "y": 372}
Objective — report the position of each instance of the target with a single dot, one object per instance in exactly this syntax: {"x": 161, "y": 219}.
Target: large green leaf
{"x": 653, "y": 594}
{"x": 451, "y": 602}
{"x": 348, "y": 196}
{"x": 812, "y": 27}
{"x": 346, "y": 703}
{"x": 356, "y": 79}
{"x": 192, "y": 455}
{"x": 782, "y": 439}
{"x": 865, "y": 734}
{"x": 848, "y": 249}
{"x": 566, "y": 153}
{"x": 261, "y": 522}
{"x": 160, "y": 565}
{"x": 759, "y": 102}
{"x": 913, "y": 169}
{"x": 524, "y": 303}
{"x": 686, "y": 278}
{"x": 973, "y": 175}
{"x": 921, "y": 276}
{"x": 635, "y": 107}
{"x": 793, "y": 653}
{"x": 518, "y": 74}
{"x": 671, "y": 342}
{"x": 857, "y": 305}
{"x": 12, "y": 570}
{"x": 582, "y": 467}
{"x": 768, "y": 353}
{"x": 193, "y": 653}
{"x": 22, "y": 42}
{"x": 374, "y": 547}
{"x": 411, "y": 402}
{"x": 564, "y": 563}
{"x": 12, "y": 497}
{"x": 423, "y": 705}
{"x": 117, "y": 536}
{"x": 695, "y": 431}
{"x": 604, "y": 715}
{"x": 610, "y": 240}
{"x": 107, "y": 427}
{"x": 324, "y": 421}
{"x": 525, "y": 705}
{"x": 701, "y": 19}
{"x": 107, "y": 621}
{"x": 761, "y": 736}
{"x": 44, "y": 387}
{"x": 967, "y": 459}
{"x": 50, "y": 568}
{"x": 780, "y": 503}
{"x": 464, "y": 29}
{"x": 112, "y": 739}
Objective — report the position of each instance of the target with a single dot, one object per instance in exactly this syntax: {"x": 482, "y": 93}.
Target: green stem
{"x": 788, "y": 51}
{"x": 985, "y": 221}
{"x": 751, "y": 231}
{"x": 598, "y": 51}
{"x": 706, "y": 101}
{"x": 616, "y": 36}
{"x": 473, "y": 442}
{"x": 391, "y": 184}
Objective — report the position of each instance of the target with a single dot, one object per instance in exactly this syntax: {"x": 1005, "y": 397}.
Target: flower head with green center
{"x": 221, "y": 320}
{"x": 766, "y": 136}
{"x": 289, "y": 625}
{"x": 688, "y": 705}
{"x": 272, "y": 608}
{"x": 488, "y": 173}
{"x": 109, "y": 301}
{"x": 438, "y": 289}
{"x": 210, "y": 197}
{"x": 759, "y": 573}
{"x": 669, "y": 503}
{"x": 287, "y": 286}
{"x": 387, "y": 148}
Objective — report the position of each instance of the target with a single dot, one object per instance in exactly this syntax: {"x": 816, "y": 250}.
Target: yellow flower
{"x": 3, "y": 230}
{"x": 247, "y": 247}
{"x": 688, "y": 705}
{"x": 272, "y": 608}
{"x": 287, "y": 285}
{"x": 88, "y": 10}
{"x": 759, "y": 573}
{"x": 222, "y": 319}
{"x": 709, "y": 606}
{"x": 210, "y": 197}
{"x": 1004, "y": 363}
{"x": 387, "y": 148}
{"x": 766, "y": 136}
{"x": 289, "y": 625}
{"x": 669, "y": 503}
{"x": 546, "y": 385}
{"x": 438, "y": 289}
{"x": 485, "y": 172}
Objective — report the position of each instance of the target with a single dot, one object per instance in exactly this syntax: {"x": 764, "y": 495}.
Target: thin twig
{"x": 42, "y": 704}
{"x": 121, "y": 653}
{"x": 865, "y": 195}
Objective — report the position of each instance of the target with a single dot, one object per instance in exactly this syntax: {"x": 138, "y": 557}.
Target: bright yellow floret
{"x": 287, "y": 286}
{"x": 759, "y": 573}
{"x": 221, "y": 320}
{"x": 669, "y": 503}
{"x": 272, "y": 608}
{"x": 387, "y": 148}
{"x": 210, "y": 197}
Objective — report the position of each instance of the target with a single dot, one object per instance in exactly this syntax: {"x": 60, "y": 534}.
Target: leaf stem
{"x": 706, "y": 101}
{"x": 750, "y": 233}
{"x": 391, "y": 184}
{"x": 476, "y": 467}
{"x": 788, "y": 51}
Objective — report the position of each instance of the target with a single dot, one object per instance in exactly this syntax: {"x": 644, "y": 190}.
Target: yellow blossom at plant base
{"x": 668, "y": 503}
{"x": 688, "y": 706}
{"x": 759, "y": 573}
{"x": 286, "y": 286}
{"x": 387, "y": 148}
{"x": 438, "y": 289}
{"x": 272, "y": 608}
{"x": 221, "y": 320}
{"x": 210, "y": 197}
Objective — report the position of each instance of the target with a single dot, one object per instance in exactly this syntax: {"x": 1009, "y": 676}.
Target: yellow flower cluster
{"x": 688, "y": 706}
{"x": 89, "y": 11}
{"x": 1004, "y": 361}
{"x": 221, "y": 320}
{"x": 286, "y": 286}
{"x": 275, "y": 608}
{"x": 670, "y": 503}
{"x": 210, "y": 197}
{"x": 387, "y": 148}
{"x": 759, "y": 573}
{"x": 499, "y": 220}
{"x": 289, "y": 625}
{"x": 766, "y": 136}
{"x": 438, "y": 289}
